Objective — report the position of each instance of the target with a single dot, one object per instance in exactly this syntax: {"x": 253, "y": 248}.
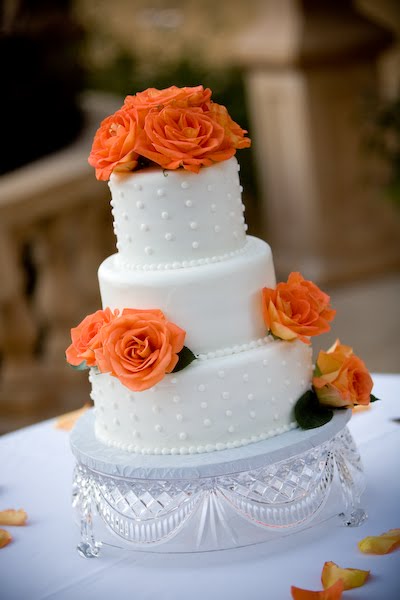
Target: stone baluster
{"x": 308, "y": 66}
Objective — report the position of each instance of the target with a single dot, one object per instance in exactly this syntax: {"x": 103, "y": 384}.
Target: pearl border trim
{"x": 237, "y": 349}
{"x": 134, "y": 449}
{"x": 184, "y": 264}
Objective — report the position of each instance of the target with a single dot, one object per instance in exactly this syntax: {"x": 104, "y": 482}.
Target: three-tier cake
{"x": 196, "y": 349}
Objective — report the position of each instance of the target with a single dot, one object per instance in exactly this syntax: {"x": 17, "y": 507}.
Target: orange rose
{"x": 178, "y": 97}
{"x": 85, "y": 337}
{"x": 188, "y": 138}
{"x": 341, "y": 378}
{"x": 139, "y": 348}
{"x": 297, "y": 309}
{"x": 113, "y": 145}
{"x": 233, "y": 132}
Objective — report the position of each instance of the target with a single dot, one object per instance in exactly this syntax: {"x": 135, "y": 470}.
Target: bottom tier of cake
{"x": 213, "y": 404}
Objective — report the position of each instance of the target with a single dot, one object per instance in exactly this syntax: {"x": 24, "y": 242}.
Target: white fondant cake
{"x": 182, "y": 248}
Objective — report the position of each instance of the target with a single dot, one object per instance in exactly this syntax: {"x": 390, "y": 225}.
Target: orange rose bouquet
{"x": 297, "y": 309}
{"x": 85, "y": 338}
{"x": 341, "y": 380}
{"x": 138, "y": 346}
{"x": 171, "y": 128}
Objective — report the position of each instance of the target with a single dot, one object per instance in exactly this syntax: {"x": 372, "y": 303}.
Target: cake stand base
{"x": 214, "y": 501}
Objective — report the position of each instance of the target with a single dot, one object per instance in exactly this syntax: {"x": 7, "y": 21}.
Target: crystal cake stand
{"x": 214, "y": 501}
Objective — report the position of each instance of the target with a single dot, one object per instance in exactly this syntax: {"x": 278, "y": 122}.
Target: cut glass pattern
{"x": 221, "y": 511}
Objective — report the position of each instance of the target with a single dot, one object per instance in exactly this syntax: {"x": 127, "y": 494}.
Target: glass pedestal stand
{"x": 214, "y": 501}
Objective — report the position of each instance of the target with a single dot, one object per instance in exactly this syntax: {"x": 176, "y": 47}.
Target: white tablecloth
{"x": 42, "y": 563}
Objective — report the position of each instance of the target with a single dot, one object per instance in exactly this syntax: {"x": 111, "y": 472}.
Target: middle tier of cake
{"x": 217, "y": 304}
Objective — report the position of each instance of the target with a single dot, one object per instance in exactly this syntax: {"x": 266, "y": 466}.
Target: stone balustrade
{"x": 55, "y": 229}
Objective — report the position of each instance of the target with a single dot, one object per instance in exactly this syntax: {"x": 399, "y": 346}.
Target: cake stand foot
{"x": 82, "y": 495}
{"x": 87, "y": 550}
{"x": 355, "y": 518}
{"x": 351, "y": 477}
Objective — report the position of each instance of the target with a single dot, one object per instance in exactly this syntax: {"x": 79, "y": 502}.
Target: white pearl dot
{"x": 231, "y": 429}
{"x": 139, "y": 204}
{"x": 188, "y": 203}
{"x": 169, "y": 236}
{"x": 174, "y": 380}
{"x": 116, "y": 422}
{"x": 193, "y": 225}
{"x": 213, "y": 207}
{"x": 207, "y": 422}
{"x": 148, "y": 250}
{"x": 228, "y": 413}
{"x": 273, "y": 400}
{"x": 184, "y": 185}
{"x": 217, "y": 228}
{"x": 158, "y": 428}
{"x": 252, "y": 414}
{"x": 160, "y": 192}
{"x": 250, "y": 397}
{"x": 128, "y": 237}
{"x": 225, "y": 395}
{"x": 124, "y": 215}
{"x": 232, "y": 213}
{"x": 176, "y": 399}
{"x": 182, "y": 436}
{"x": 245, "y": 377}
{"x": 201, "y": 387}
{"x": 155, "y": 409}
{"x": 179, "y": 418}
{"x": 195, "y": 244}
{"x": 276, "y": 416}
{"x": 203, "y": 405}
{"x": 221, "y": 374}
{"x": 137, "y": 186}
{"x": 144, "y": 227}
{"x": 164, "y": 215}
{"x": 269, "y": 380}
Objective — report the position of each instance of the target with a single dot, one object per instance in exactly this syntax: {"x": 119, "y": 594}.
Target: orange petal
{"x": 13, "y": 517}
{"x": 381, "y": 544}
{"x": 351, "y": 578}
{"x": 332, "y": 593}
{"x": 5, "y": 538}
{"x": 67, "y": 421}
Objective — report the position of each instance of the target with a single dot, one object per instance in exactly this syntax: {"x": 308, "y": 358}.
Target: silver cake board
{"x": 216, "y": 500}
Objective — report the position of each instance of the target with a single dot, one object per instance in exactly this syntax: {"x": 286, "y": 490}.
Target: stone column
{"x": 309, "y": 67}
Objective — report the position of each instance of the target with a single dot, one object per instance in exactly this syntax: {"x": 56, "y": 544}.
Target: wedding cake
{"x": 196, "y": 348}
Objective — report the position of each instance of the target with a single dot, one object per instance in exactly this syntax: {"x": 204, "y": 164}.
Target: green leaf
{"x": 81, "y": 367}
{"x": 186, "y": 356}
{"x": 373, "y": 398}
{"x": 309, "y": 413}
{"x": 317, "y": 371}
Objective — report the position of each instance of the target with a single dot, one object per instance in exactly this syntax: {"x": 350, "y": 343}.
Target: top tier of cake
{"x": 172, "y": 219}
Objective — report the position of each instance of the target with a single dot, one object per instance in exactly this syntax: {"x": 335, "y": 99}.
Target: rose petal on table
{"x": 13, "y": 517}
{"x": 351, "y": 578}
{"x": 334, "y": 592}
{"x": 380, "y": 544}
{"x": 67, "y": 421}
{"x": 5, "y": 538}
